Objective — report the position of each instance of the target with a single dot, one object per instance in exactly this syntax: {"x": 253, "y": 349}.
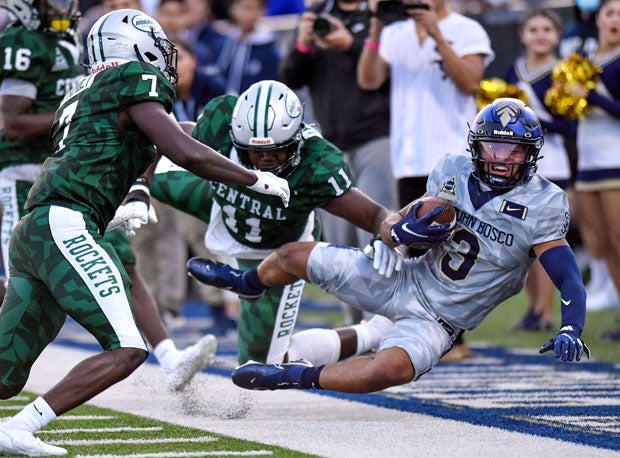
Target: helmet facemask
{"x": 504, "y": 124}
{"x": 170, "y": 55}
{"x": 520, "y": 172}
{"x": 293, "y": 155}
{"x": 58, "y": 16}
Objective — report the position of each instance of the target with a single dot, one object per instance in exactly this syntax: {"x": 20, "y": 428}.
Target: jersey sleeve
{"x": 444, "y": 172}
{"x": 323, "y": 173}
{"x": 213, "y": 125}
{"x": 554, "y": 218}
{"x": 26, "y": 56}
{"x": 143, "y": 82}
{"x": 473, "y": 40}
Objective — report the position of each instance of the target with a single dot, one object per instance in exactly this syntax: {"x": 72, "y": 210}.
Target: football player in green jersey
{"x": 263, "y": 129}
{"x": 42, "y": 63}
{"x": 105, "y": 132}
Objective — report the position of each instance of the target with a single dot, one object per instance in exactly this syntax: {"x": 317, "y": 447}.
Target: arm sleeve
{"x": 609, "y": 105}
{"x": 561, "y": 265}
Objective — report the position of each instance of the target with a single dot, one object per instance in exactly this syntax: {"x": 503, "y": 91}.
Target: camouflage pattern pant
{"x": 265, "y": 326}
{"x": 60, "y": 265}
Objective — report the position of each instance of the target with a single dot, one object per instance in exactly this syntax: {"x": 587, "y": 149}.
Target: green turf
{"x": 137, "y": 435}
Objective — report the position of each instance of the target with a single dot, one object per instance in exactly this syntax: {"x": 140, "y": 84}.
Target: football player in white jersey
{"x": 507, "y": 216}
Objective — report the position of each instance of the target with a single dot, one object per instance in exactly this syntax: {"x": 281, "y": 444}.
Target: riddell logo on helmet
{"x": 98, "y": 68}
{"x": 503, "y": 132}
{"x": 261, "y": 141}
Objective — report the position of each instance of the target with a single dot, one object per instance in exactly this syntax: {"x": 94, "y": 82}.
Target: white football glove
{"x": 386, "y": 260}
{"x": 135, "y": 212}
{"x": 268, "y": 183}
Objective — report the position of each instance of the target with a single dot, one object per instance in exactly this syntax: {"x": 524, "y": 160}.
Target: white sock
{"x": 370, "y": 333}
{"x": 33, "y": 417}
{"x": 166, "y": 353}
{"x": 319, "y": 346}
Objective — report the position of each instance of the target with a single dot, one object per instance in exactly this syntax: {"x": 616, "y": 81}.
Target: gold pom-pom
{"x": 567, "y": 74}
{"x": 494, "y": 88}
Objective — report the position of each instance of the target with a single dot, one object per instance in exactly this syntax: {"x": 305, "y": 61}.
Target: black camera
{"x": 395, "y": 10}
{"x": 322, "y": 26}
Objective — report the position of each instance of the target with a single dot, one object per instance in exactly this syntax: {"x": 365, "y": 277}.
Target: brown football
{"x": 429, "y": 203}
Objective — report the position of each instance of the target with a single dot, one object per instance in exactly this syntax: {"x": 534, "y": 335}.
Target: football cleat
{"x": 193, "y": 359}
{"x": 21, "y": 442}
{"x": 259, "y": 376}
{"x": 222, "y": 276}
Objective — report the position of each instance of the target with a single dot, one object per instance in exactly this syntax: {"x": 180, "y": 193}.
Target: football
{"x": 429, "y": 203}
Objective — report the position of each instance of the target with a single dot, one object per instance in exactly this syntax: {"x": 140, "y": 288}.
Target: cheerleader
{"x": 598, "y": 136}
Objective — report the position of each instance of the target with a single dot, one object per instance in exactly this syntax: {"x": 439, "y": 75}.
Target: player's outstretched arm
{"x": 171, "y": 141}
{"x": 560, "y": 264}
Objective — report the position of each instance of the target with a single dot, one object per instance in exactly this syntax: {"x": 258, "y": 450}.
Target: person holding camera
{"x": 435, "y": 60}
{"x": 329, "y": 40}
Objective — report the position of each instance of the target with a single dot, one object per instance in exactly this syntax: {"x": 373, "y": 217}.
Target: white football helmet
{"x": 51, "y": 16}
{"x": 268, "y": 116}
{"x": 127, "y": 35}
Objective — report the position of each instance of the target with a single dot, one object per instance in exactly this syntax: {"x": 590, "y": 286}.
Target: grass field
{"x": 89, "y": 431}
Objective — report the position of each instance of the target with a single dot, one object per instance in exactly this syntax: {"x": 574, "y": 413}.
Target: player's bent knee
{"x": 392, "y": 367}
{"x": 129, "y": 359}
{"x": 293, "y": 257}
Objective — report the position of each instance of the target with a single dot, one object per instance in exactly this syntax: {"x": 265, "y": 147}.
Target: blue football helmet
{"x": 505, "y": 122}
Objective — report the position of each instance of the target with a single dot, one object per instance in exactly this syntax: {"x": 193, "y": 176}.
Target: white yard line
{"x": 301, "y": 420}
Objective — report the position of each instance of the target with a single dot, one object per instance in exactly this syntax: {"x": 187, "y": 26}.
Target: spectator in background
{"x": 219, "y": 9}
{"x": 249, "y": 52}
{"x": 92, "y": 14}
{"x": 358, "y": 122}
{"x": 435, "y": 60}
{"x": 204, "y": 36}
{"x": 597, "y": 186}
{"x": 539, "y": 31}
{"x": 171, "y": 16}
{"x": 581, "y": 36}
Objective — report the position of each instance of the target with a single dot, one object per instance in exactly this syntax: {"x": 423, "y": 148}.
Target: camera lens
{"x": 321, "y": 26}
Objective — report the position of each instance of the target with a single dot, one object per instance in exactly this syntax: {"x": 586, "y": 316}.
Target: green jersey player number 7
{"x": 104, "y": 133}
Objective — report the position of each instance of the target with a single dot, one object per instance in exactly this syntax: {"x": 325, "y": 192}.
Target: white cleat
{"x": 20, "y": 442}
{"x": 193, "y": 359}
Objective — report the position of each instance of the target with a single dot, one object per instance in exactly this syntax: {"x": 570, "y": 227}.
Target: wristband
{"x": 139, "y": 191}
{"x": 301, "y": 48}
{"x": 370, "y": 45}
